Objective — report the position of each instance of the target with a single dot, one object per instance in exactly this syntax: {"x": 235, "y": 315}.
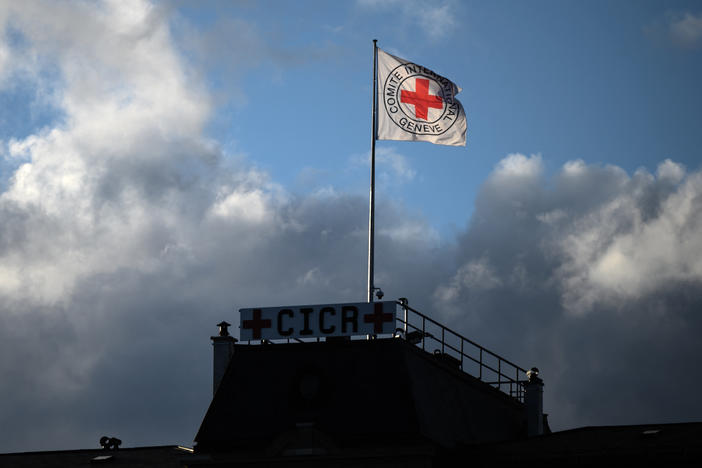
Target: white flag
{"x": 416, "y": 104}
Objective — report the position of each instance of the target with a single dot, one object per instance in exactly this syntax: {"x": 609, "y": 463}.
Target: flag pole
{"x": 371, "y": 209}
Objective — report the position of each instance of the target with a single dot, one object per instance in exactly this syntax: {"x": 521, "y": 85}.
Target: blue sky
{"x": 601, "y": 81}
{"x": 605, "y": 82}
{"x": 163, "y": 164}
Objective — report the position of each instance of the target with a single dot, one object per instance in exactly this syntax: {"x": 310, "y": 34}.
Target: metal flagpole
{"x": 371, "y": 209}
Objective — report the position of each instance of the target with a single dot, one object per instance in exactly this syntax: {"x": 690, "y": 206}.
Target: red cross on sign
{"x": 316, "y": 321}
{"x": 256, "y": 324}
{"x": 421, "y": 99}
{"x": 377, "y": 318}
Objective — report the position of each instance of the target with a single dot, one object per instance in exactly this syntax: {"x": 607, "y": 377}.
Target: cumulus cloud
{"x": 636, "y": 244}
{"x": 96, "y": 180}
{"x": 613, "y": 238}
{"x": 582, "y": 272}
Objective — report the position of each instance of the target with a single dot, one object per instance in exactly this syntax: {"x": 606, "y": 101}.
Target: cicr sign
{"x": 310, "y": 321}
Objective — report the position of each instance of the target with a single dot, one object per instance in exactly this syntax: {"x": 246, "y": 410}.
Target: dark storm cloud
{"x": 594, "y": 277}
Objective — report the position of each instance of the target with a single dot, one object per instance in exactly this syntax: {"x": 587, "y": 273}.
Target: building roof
{"x": 352, "y": 392}
{"x": 170, "y": 456}
{"x": 635, "y": 445}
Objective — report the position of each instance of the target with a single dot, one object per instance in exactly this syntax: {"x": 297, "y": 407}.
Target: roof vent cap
{"x": 110, "y": 443}
{"x": 223, "y": 328}
{"x": 533, "y": 375}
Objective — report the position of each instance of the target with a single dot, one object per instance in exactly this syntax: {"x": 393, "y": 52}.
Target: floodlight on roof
{"x": 414, "y": 337}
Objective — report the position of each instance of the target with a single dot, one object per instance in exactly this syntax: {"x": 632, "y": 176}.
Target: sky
{"x": 163, "y": 164}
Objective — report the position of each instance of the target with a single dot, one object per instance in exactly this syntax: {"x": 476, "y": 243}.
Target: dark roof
{"x": 640, "y": 445}
{"x": 136, "y": 457}
{"x": 678, "y": 444}
{"x": 352, "y": 392}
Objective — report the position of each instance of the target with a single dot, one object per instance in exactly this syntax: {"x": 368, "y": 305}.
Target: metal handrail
{"x": 506, "y": 383}
{"x": 511, "y": 385}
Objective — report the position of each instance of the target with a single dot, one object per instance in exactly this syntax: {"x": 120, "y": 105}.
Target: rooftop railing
{"x": 450, "y": 347}
{"x": 457, "y": 350}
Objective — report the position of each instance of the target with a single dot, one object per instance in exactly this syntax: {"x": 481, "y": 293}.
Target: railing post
{"x": 499, "y": 373}
{"x": 516, "y": 380}
{"x": 404, "y": 302}
{"x": 480, "y": 371}
{"x": 424, "y": 333}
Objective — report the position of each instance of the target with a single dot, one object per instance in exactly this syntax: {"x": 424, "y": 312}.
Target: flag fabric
{"x": 416, "y": 104}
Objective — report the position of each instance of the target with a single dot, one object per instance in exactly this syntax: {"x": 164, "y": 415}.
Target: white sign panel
{"x": 310, "y": 321}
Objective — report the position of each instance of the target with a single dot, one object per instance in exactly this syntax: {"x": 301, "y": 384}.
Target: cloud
{"x": 122, "y": 150}
{"x": 435, "y": 19}
{"x": 397, "y": 163}
{"x": 611, "y": 238}
{"x": 254, "y": 48}
{"x": 582, "y": 274}
{"x": 681, "y": 29}
{"x": 635, "y": 245}
{"x": 4, "y": 60}
{"x": 475, "y": 275}
{"x": 686, "y": 30}
{"x": 392, "y": 167}
{"x": 518, "y": 166}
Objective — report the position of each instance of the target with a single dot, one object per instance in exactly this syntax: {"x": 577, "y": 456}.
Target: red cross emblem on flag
{"x": 417, "y": 104}
{"x": 421, "y": 99}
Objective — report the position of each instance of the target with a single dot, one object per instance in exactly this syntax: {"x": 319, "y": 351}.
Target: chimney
{"x": 534, "y": 403}
{"x": 223, "y": 350}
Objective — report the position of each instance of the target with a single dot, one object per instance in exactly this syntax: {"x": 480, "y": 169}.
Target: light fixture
{"x": 414, "y": 337}
{"x": 533, "y": 374}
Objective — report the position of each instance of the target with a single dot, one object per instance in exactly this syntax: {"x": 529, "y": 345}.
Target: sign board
{"x": 311, "y": 321}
